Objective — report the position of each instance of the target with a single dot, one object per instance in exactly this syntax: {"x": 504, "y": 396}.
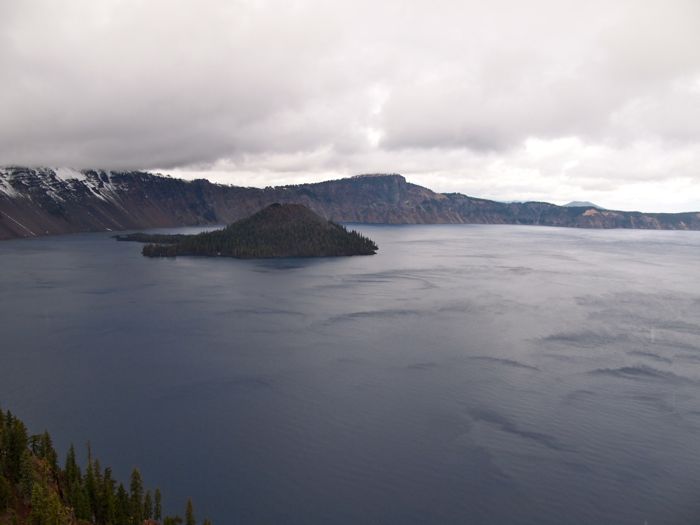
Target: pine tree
{"x": 81, "y": 505}
{"x": 15, "y": 443}
{"x": 39, "y": 504}
{"x": 108, "y": 505}
{"x": 90, "y": 485}
{"x": 97, "y": 502}
{"x": 148, "y": 506}
{"x": 122, "y": 514}
{"x": 26, "y": 477}
{"x": 136, "y": 496}
{"x": 74, "y": 488}
{"x": 72, "y": 470}
{"x": 189, "y": 514}
{"x": 3, "y": 446}
{"x": 158, "y": 509}
{"x": 46, "y": 507}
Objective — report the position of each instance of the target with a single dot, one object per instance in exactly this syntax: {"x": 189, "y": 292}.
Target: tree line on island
{"x": 35, "y": 490}
{"x": 280, "y": 230}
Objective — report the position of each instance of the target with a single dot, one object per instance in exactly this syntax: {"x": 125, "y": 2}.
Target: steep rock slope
{"x": 42, "y": 201}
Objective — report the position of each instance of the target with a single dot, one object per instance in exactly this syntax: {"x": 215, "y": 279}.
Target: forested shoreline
{"x": 36, "y": 490}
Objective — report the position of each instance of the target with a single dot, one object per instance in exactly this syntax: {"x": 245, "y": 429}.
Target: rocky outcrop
{"x": 47, "y": 201}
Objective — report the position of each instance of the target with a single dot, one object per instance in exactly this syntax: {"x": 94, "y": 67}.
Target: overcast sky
{"x": 506, "y": 99}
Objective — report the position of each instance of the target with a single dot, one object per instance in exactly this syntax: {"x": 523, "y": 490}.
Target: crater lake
{"x": 464, "y": 374}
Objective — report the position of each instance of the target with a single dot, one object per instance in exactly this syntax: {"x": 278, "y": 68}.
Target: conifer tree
{"x": 158, "y": 509}
{"x": 26, "y": 477}
{"x": 122, "y": 515}
{"x": 75, "y": 493}
{"x": 97, "y": 499}
{"x": 189, "y": 514}
{"x": 15, "y": 443}
{"x": 39, "y": 505}
{"x": 136, "y": 496}
{"x": 46, "y": 507}
{"x": 90, "y": 487}
{"x": 71, "y": 468}
{"x": 147, "y": 506}
{"x": 81, "y": 504}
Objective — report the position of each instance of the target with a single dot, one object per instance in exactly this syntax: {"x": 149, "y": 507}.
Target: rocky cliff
{"x": 47, "y": 201}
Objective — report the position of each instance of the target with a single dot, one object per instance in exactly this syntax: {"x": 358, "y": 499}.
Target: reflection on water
{"x": 481, "y": 374}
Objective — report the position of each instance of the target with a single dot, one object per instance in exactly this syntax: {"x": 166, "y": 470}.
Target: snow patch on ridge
{"x": 67, "y": 174}
{"x": 5, "y": 186}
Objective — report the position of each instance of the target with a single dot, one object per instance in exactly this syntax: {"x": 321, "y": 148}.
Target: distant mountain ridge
{"x": 44, "y": 201}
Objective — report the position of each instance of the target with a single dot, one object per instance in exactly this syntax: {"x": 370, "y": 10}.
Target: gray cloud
{"x": 545, "y": 99}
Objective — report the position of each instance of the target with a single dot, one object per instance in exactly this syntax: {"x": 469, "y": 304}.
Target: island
{"x": 279, "y": 230}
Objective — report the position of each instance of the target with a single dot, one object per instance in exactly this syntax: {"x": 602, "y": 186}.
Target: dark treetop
{"x": 280, "y": 230}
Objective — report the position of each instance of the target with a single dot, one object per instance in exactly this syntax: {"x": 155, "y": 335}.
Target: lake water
{"x": 465, "y": 374}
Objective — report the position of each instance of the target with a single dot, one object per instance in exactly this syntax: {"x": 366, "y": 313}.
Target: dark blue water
{"x": 465, "y": 374}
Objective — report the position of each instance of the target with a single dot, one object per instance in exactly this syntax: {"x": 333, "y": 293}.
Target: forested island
{"x": 35, "y": 490}
{"x": 279, "y": 230}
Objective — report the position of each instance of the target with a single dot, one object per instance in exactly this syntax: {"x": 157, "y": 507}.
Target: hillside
{"x": 582, "y": 204}
{"x": 45, "y": 201}
{"x": 279, "y": 230}
{"x": 35, "y": 490}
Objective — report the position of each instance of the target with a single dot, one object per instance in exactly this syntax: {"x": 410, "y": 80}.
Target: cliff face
{"x": 47, "y": 201}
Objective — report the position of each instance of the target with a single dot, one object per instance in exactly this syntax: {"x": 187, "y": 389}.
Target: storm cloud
{"x": 551, "y": 100}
